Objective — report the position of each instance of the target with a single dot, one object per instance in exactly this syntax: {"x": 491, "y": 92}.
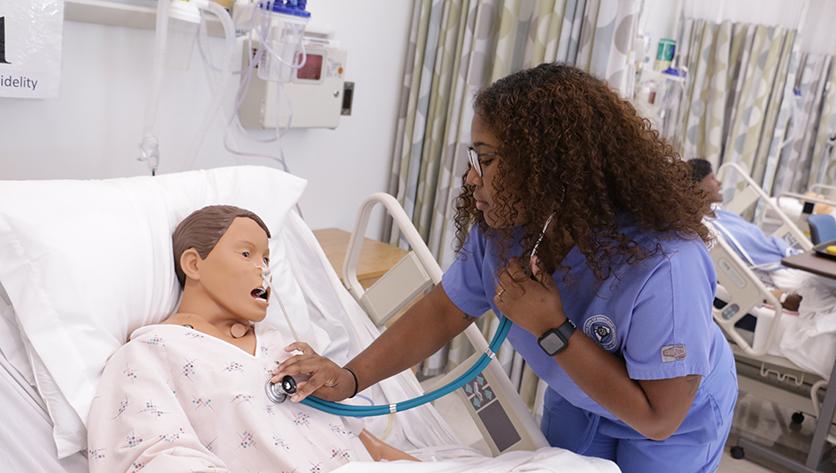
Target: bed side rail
{"x": 824, "y": 189}
{"x": 812, "y": 199}
{"x": 748, "y": 192}
{"x": 745, "y": 291}
{"x": 493, "y": 403}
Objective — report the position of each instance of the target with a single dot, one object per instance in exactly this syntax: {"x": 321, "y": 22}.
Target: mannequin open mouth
{"x": 261, "y": 293}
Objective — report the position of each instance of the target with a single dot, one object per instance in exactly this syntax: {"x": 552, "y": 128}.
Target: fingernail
{"x": 295, "y": 398}
{"x": 274, "y": 379}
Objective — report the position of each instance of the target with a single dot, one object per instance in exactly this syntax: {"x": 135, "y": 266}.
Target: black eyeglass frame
{"x": 473, "y": 159}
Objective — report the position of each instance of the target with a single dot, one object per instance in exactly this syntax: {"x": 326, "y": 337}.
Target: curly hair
{"x": 570, "y": 145}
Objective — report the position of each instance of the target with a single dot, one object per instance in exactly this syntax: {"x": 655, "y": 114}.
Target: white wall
{"x": 93, "y": 128}
{"x": 658, "y": 20}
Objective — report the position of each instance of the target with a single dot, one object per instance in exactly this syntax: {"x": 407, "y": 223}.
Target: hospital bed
{"x": 792, "y": 206}
{"x": 775, "y": 212}
{"x": 799, "y": 207}
{"x": 741, "y": 293}
{"x": 34, "y": 433}
{"x": 747, "y": 193}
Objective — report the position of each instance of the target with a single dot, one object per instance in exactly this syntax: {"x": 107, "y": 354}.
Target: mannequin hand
{"x": 532, "y": 303}
{"x": 327, "y": 380}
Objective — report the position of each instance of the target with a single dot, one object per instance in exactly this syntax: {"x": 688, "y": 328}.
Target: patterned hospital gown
{"x": 176, "y": 400}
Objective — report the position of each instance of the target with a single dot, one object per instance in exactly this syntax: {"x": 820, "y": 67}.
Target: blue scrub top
{"x": 761, "y": 248}
{"x": 655, "y": 314}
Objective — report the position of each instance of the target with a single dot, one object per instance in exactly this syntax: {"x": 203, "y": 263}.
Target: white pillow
{"x": 85, "y": 263}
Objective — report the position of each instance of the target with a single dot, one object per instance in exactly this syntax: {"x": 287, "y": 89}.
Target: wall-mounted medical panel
{"x": 312, "y": 98}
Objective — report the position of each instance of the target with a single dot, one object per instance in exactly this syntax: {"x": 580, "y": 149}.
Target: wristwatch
{"x": 555, "y": 340}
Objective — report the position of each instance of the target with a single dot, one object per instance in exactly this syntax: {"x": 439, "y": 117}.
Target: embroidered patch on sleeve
{"x": 673, "y": 353}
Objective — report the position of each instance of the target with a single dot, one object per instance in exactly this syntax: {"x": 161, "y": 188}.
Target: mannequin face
{"x": 713, "y": 188}
{"x": 231, "y": 274}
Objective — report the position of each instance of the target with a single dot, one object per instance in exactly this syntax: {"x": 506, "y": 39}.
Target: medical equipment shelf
{"x": 140, "y": 14}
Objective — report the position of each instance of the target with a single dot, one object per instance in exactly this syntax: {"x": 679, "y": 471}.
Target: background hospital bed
{"x": 742, "y": 293}
{"x": 499, "y": 413}
{"x": 799, "y": 207}
{"x": 796, "y": 207}
{"x": 747, "y": 193}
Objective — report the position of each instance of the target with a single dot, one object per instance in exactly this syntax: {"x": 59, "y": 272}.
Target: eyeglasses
{"x": 473, "y": 158}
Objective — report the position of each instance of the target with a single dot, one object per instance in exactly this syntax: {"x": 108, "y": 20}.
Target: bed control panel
{"x": 504, "y": 422}
{"x": 495, "y": 421}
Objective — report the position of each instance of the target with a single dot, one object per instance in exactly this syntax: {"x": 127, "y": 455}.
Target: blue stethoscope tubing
{"x": 474, "y": 371}
{"x": 346, "y": 410}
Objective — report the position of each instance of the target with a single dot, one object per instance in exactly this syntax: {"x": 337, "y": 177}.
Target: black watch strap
{"x": 555, "y": 340}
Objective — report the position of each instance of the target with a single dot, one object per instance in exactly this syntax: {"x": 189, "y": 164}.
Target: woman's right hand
{"x": 326, "y": 380}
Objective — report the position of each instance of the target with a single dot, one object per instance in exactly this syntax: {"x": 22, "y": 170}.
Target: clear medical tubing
{"x": 226, "y": 66}
{"x": 149, "y": 146}
{"x": 369, "y": 411}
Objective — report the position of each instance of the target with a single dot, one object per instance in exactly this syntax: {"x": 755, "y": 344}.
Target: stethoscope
{"x": 279, "y": 392}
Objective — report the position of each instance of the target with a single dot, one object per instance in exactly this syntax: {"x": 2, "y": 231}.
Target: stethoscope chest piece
{"x": 278, "y": 392}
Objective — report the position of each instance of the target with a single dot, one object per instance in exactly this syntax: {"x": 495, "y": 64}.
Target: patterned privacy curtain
{"x": 458, "y": 47}
{"x": 737, "y": 74}
{"x": 808, "y": 157}
{"x": 753, "y": 98}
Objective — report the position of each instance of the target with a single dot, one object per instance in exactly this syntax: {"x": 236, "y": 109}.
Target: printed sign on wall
{"x": 30, "y": 48}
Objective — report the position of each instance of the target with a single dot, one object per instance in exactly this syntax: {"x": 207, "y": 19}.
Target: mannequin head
{"x": 703, "y": 175}
{"x": 220, "y": 253}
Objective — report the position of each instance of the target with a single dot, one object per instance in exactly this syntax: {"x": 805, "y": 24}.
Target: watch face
{"x": 551, "y": 343}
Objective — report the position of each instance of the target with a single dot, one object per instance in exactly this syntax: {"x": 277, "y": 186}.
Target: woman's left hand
{"x": 533, "y": 303}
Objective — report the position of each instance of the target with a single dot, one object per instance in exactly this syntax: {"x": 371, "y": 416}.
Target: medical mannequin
{"x": 760, "y": 249}
{"x": 613, "y": 310}
{"x": 808, "y": 338}
{"x": 189, "y": 394}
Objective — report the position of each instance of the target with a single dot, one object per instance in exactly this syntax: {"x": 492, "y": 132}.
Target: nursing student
{"x": 612, "y": 310}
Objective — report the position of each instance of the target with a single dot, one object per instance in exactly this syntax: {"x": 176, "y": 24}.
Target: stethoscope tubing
{"x": 346, "y": 410}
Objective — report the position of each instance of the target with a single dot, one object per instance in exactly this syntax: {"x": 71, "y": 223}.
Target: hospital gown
{"x": 175, "y": 399}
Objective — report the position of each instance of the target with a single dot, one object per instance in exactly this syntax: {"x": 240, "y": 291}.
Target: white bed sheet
{"x": 28, "y": 446}
{"x": 810, "y": 340}
{"x": 463, "y": 460}
{"x": 807, "y": 337}
{"x": 26, "y": 443}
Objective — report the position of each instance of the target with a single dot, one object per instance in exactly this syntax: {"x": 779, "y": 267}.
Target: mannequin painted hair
{"x": 700, "y": 168}
{"x": 203, "y": 228}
